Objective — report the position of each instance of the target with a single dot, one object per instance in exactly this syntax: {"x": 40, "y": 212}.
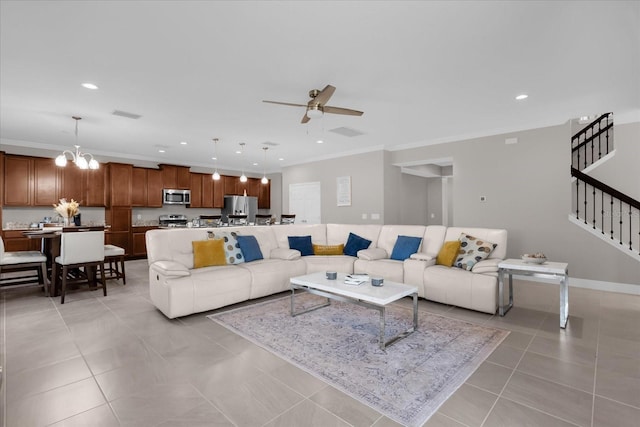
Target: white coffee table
{"x": 374, "y": 297}
{"x": 548, "y": 270}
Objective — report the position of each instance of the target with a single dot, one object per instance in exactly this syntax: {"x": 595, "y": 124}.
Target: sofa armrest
{"x": 170, "y": 268}
{"x": 285, "y": 253}
{"x": 372, "y": 254}
{"x": 486, "y": 266}
{"x": 421, "y": 256}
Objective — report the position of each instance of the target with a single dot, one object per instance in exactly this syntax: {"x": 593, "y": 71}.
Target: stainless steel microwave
{"x": 176, "y": 197}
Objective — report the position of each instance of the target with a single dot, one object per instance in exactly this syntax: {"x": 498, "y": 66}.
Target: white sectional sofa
{"x": 178, "y": 289}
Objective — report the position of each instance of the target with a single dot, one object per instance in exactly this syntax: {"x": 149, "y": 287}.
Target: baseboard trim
{"x": 597, "y": 285}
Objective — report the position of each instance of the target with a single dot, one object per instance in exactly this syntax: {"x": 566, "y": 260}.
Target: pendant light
{"x": 264, "y": 179}
{"x": 80, "y": 159}
{"x": 216, "y": 175}
{"x": 243, "y": 177}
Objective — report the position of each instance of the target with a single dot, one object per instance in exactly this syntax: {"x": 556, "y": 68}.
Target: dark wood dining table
{"x": 50, "y": 247}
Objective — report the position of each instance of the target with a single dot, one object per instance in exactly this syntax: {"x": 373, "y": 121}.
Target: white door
{"x": 304, "y": 202}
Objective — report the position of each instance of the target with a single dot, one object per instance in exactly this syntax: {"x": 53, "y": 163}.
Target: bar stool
{"x": 23, "y": 261}
{"x": 80, "y": 249}
{"x": 287, "y": 218}
{"x": 263, "y": 219}
{"x": 112, "y": 256}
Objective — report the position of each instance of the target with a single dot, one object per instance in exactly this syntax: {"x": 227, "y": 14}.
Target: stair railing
{"x": 593, "y": 142}
{"x": 606, "y": 208}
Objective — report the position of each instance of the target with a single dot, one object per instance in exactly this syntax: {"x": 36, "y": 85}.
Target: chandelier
{"x": 79, "y": 158}
{"x": 264, "y": 179}
{"x": 243, "y": 177}
{"x": 216, "y": 175}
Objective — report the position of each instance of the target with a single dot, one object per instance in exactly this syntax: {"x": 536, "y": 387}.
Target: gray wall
{"x": 434, "y": 201}
{"x": 527, "y": 186}
{"x": 366, "y": 172}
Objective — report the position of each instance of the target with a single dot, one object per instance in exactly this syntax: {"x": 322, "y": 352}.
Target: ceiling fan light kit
{"x": 316, "y": 107}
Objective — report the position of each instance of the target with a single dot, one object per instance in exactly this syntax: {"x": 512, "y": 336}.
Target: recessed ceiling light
{"x": 281, "y": 158}
{"x": 238, "y": 152}
{"x": 183, "y": 142}
{"x": 255, "y": 164}
{"x": 161, "y": 151}
{"x": 214, "y": 158}
{"x": 521, "y": 97}
{"x": 319, "y": 141}
{"x": 89, "y": 86}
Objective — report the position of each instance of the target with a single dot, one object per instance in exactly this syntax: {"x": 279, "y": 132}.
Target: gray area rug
{"x": 407, "y": 381}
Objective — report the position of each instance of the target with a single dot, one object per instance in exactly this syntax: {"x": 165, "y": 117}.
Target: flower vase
{"x": 66, "y": 220}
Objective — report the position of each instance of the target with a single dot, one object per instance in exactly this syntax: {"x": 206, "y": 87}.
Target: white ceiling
{"x": 422, "y": 72}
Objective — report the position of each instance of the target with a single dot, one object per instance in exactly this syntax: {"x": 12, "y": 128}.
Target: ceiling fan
{"x": 316, "y": 106}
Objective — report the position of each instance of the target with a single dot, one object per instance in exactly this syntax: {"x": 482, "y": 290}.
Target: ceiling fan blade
{"x": 305, "y": 118}
{"x": 338, "y": 110}
{"x": 285, "y": 103}
{"x": 324, "y": 95}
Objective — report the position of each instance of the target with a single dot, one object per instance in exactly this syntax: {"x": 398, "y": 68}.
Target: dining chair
{"x": 23, "y": 261}
{"x": 78, "y": 250}
{"x": 114, "y": 255}
{"x": 287, "y": 218}
{"x": 263, "y": 219}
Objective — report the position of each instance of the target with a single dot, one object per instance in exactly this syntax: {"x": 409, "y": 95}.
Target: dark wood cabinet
{"x": 231, "y": 187}
{"x": 120, "y": 183}
{"x": 72, "y": 183}
{"x": 154, "y": 188}
{"x": 175, "y": 177}
{"x": 94, "y": 192}
{"x": 264, "y": 196}
{"x": 139, "y": 241}
{"x": 146, "y": 188}
{"x": 196, "y": 190}
{"x": 18, "y": 181}
{"x": 119, "y": 233}
{"x": 46, "y": 183}
{"x": 218, "y": 193}
{"x": 207, "y": 191}
{"x": 139, "y": 187}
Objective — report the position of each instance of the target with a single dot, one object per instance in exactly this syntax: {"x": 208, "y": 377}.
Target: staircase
{"x": 598, "y": 208}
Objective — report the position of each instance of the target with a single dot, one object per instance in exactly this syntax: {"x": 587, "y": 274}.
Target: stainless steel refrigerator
{"x": 240, "y": 205}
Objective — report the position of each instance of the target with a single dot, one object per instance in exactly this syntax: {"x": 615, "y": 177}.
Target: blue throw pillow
{"x": 301, "y": 243}
{"x": 405, "y": 247}
{"x": 250, "y": 248}
{"x": 354, "y": 244}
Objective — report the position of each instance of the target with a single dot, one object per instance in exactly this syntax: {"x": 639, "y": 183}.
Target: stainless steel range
{"x": 173, "y": 220}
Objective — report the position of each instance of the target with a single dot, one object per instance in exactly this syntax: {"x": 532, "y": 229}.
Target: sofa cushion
{"x": 208, "y": 252}
{"x": 231, "y": 246}
{"x": 328, "y": 249}
{"x": 472, "y": 250}
{"x": 373, "y": 254}
{"x": 405, "y": 246}
{"x": 448, "y": 253}
{"x": 302, "y": 244}
{"x": 250, "y": 248}
{"x": 354, "y": 244}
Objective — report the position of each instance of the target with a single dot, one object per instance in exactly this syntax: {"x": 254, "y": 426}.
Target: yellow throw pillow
{"x": 208, "y": 252}
{"x": 448, "y": 253}
{"x": 328, "y": 249}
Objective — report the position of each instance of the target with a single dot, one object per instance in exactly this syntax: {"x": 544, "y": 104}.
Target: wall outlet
{"x": 433, "y": 215}
{"x": 364, "y": 216}
{"x": 375, "y": 216}
{"x": 139, "y": 217}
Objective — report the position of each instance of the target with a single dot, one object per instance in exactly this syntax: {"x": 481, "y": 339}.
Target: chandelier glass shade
{"x": 82, "y": 160}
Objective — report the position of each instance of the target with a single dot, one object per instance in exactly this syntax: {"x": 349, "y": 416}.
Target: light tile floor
{"x": 116, "y": 360}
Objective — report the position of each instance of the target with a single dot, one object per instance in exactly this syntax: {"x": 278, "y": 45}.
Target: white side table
{"x": 546, "y": 270}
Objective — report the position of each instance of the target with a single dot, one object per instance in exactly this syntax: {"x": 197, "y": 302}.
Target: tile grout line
{"x": 595, "y": 368}
{"x": 3, "y": 362}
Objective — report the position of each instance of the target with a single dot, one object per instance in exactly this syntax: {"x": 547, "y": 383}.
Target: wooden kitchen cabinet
{"x": 218, "y": 193}
{"x": 196, "y": 190}
{"x": 231, "y": 187}
{"x": 139, "y": 241}
{"x": 46, "y": 182}
{"x": 72, "y": 183}
{"x": 175, "y": 177}
{"x": 119, "y": 232}
{"x": 207, "y": 191}
{"x": 94, "y": 191}
{"x": 264, "y": 196}
{"x": 154, "y": 188}
{"x": 120, "y": 184}
{"x": 18, "y": 180}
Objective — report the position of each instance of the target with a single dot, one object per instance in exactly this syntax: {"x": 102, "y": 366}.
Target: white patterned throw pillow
{"x": 231, "y": 245}
{"x": 471, "y": 251}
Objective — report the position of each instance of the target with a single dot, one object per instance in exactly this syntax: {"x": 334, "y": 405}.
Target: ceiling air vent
{"x": 345, "y": 131}
{"x": 270, "y": 144}
{"x": 127, "y": 115}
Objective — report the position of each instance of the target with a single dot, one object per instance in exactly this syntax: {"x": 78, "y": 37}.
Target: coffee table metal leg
{"x": 315, "y": 307}
{"x": 564, "y": 302}
{"x": 382, "y": 328}
{"x": 502, "y": 309}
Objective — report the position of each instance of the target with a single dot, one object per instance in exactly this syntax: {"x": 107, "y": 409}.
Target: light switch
{"x": 375, "y": 216}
